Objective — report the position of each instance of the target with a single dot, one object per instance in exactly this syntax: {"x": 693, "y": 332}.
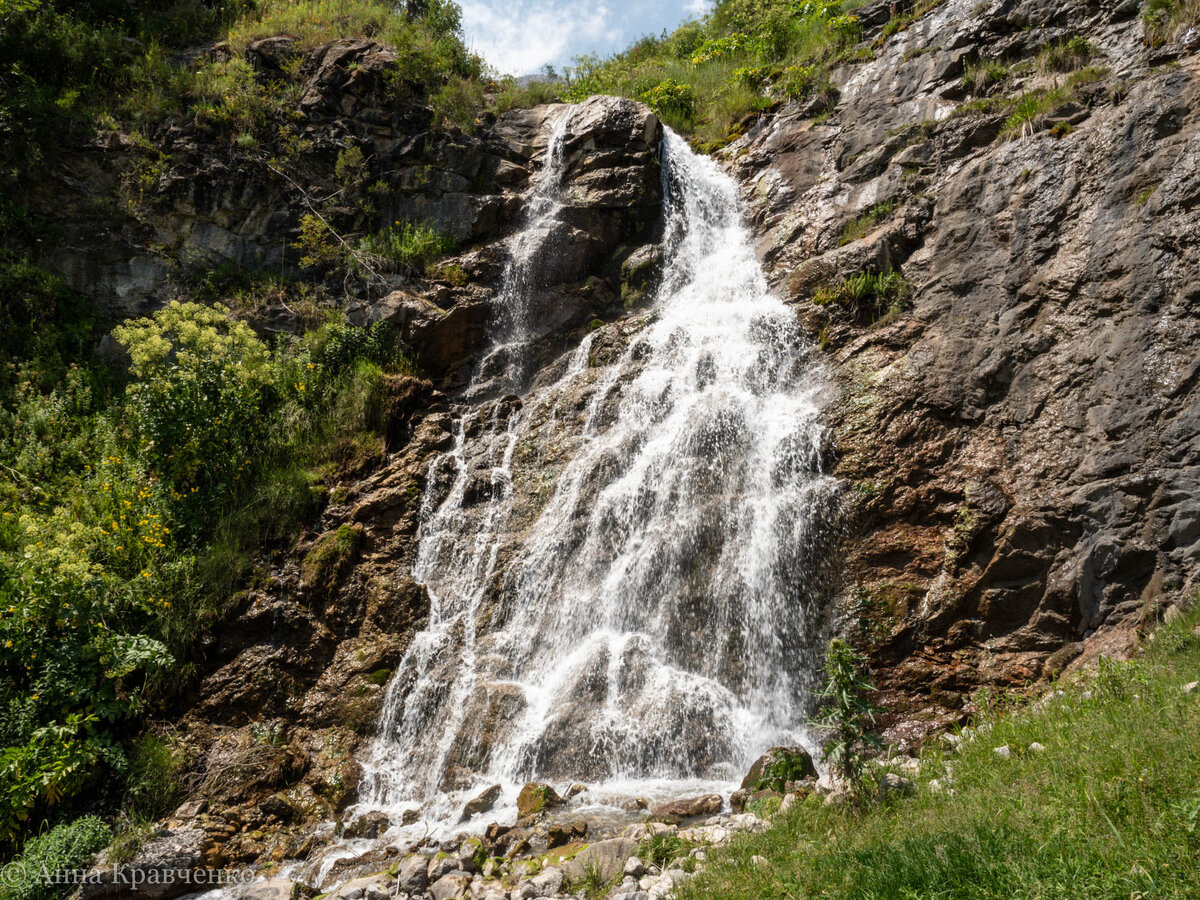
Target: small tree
{"x": 848, "y": 713}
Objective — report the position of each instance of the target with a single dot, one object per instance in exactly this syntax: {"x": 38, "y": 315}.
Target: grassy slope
{"x": 1110, "y": 808}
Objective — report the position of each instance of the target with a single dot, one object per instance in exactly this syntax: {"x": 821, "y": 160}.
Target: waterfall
{"x": 621, "y": 553}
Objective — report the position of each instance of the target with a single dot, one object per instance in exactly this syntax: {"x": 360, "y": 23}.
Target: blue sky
{"x": 521, "y": 36}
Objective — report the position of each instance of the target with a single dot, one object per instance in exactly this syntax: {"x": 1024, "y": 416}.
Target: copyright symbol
{"x": 12, "y": 875}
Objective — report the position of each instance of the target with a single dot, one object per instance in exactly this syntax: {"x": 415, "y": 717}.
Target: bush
{"x": 406, "y": 247}
{"x": 129, "y": 518}
{"x": 849, "y": 713}
{"x": 67, "y": 846}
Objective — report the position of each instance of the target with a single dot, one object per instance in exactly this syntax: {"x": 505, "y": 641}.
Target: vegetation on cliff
{"x": 132, "y": 502}
{"x": 709, "y": 77}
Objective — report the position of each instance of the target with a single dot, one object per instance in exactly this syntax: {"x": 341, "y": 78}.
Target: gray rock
{"x": 482, "y": 803}
{"x": 606, "y": 857}
{"x": 413, "y": 875}
{"x": 454, "y": 886}
{"x": 169, "y": 865}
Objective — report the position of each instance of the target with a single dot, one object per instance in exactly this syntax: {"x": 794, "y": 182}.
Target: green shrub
{"x": 406, "y": 247}
{"x": 129, "y": 517}
{"x": 867, "y": 296}
{"x": 153, "y": 785}
{"x": 67, "y": 846}
{"x": 1163, "y": 20}
{"x": 849, "y": 713}
{"x": 1066, "y": 56}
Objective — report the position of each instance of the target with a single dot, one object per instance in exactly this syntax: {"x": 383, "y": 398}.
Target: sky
{"x": 520, "y": 36}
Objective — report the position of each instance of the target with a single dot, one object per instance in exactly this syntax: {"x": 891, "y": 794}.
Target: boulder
{"x": 708, "y": 805}
{"x": 482, "y": 803}
{"x": 607, "y": 858}
{"x": 778, "y": 766}
{"x": 413, "y": 874}
{"x": 536, "y": 797}
{"x": 454, "y": 886}
{"x": 169, "y": 865}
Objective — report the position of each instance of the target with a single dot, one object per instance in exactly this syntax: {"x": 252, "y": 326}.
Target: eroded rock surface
{"x": 1021, "y": 444}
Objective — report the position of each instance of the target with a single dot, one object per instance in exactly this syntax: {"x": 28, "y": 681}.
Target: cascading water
{"x": 622, "y": 568}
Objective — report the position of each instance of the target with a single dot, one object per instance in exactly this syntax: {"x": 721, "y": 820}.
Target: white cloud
{"x": 521, "y": 37}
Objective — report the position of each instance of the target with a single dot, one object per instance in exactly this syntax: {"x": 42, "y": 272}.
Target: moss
{"x": 379, "y": 676}
{"x": 331, "y": 555}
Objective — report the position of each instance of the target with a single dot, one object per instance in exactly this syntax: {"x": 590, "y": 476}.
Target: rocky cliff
{"x": 1018, "y": 434}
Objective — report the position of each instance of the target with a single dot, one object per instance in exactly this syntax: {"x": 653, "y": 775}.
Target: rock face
{"x": 1021, "y": 443}
{"x": 169, "y": 865}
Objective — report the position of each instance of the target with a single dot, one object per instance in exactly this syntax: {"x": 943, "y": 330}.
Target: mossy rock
{"x": 778, "y": 766}
{"x": 536, "y": 797}
{"x": 331, "y": 556}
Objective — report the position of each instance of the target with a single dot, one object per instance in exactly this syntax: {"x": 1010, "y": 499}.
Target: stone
{"x": 777, "y": 766}
{"x": 606, "y": 857}
{"x": 441, "y": 865}
{"x": 413, "y": 874}
{"x": 546, "y": 883}
{"x": 893, "y": 784}
{"x": 634, "y": 867}
{"x": 270, "y": 889}
{"x": 454, "y": 886}
{"x": 481, "y": 803}
{"x": 536, "y": 797}
{"x": 1190, "y": 688}
{"x": 1036, "y": 747}
{"x": 691, "y": 807}
{"x": 368, "y": 825}
{"x": 154, "y": 871}
{"x": 410, "y": 816}
{"x": 1002, "y": 751}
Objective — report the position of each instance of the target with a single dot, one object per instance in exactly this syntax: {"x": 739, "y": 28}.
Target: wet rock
{"x": 536, "y": 797}
{"x": 482, "y": 803}
{"x": 368, "y": 825}
{"x": 691, "y": 807}
{"x": 562, "y": 833}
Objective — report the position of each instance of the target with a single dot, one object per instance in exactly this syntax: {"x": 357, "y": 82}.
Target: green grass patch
{"x": 1164, "y": 20}
{"x": 710, "y": 77}
{"x": 67, "y": 846}
{"x": 1098, "y": 797}
{"x": 863, "y": 224}
{"x": 868, "y": 296}
{"x": 406, "y": 247}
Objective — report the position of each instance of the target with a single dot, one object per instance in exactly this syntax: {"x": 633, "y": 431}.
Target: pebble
{"x": 1002, "y": 751}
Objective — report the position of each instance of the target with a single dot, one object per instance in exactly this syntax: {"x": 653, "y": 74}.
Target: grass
{"x": 1106, "y": 805}
{"x": 67, "y": 846}
{"x": 406, "y": 247}
{"x": 1164, "y": 20}
{"x": 868, "y": 296}
{"x": 864, "y": 223}
{"x": 710, "y": 77}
